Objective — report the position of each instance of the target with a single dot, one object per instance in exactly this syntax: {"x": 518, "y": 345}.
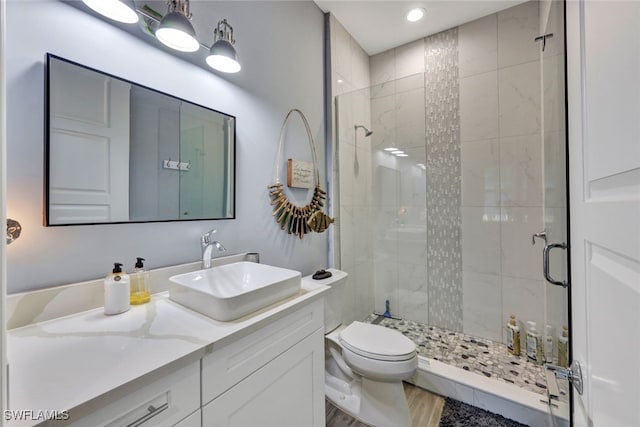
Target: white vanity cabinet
{"x": 266, "y": 369}
{"x": 271, "y": 374}
{"x": 271, "y": 377}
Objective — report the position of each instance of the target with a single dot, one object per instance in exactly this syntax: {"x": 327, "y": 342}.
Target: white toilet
{"x": 365, "y": 364}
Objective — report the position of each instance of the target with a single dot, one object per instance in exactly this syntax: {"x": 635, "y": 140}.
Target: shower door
{"x": 555, "y": 195}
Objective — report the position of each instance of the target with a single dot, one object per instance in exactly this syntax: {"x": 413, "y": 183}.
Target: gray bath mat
{"x": 458, "y": 414}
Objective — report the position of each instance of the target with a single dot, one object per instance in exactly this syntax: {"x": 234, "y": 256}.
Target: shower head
{"x": 367, "y": 132}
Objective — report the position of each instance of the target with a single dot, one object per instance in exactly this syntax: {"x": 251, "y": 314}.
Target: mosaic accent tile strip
{"x": 481, "y": 356}
{"x": 444, "y": 219}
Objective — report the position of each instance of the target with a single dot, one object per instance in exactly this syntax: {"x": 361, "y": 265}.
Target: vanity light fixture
{"x": 118, "y": 10}
{"x": 415, "y": 14}
{"x": 222, "y": 55}
{"x": 13, "y": 230}
{"x": 391, "y": 149}
{"x": 397, "y": 152}
{"x": 175, "y": 30}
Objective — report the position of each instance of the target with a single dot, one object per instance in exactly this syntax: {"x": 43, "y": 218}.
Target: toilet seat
{"x": 377, "y": 342}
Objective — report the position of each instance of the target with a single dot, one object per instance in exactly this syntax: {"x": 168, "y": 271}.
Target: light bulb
{"x": 223, "y": 63}
{"x": 114, "y": 9}
{"x": 415, "y": 14}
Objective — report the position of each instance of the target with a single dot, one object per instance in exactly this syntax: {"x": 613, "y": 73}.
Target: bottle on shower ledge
{"x": 563, "y": 348}
{"x": 534, "y": 345}
{"x": 513, "y": 336}
{"x": 549, "y": 344}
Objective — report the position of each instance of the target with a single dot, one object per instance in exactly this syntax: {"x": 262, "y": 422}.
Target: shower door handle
{"x": 545, "y": 264}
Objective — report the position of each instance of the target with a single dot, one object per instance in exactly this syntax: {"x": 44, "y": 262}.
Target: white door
{"x": 603, "y": 65}
{"x": 89, "y": 146}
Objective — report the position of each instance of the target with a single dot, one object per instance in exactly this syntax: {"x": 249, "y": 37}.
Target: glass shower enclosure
{"x": 439, "y": 204}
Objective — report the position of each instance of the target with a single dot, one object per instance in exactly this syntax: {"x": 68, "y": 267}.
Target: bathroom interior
{"x": 444, "y": 162}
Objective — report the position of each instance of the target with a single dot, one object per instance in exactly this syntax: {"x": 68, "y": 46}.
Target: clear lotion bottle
{"x": 140, "y": 293}
{"x": 116, "y": 291}
{"x": 534, "y": 345}
{"x": 548, "y": 344}
{"x": 563, "y": 348}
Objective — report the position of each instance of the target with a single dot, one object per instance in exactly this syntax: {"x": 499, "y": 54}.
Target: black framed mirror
{"x": 120, "y": 152}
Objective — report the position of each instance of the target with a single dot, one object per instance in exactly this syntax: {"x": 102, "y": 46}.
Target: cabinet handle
{"x": 143, "y": 413}
{"x": 153, "y": 411}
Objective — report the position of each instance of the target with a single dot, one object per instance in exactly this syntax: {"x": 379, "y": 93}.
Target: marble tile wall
{"x": 352, "y": 189}
{"x": 417, "y": 244}
{"x": 500, "y": 180}
{"x": 502, "y": 170}
{"x": 481, "y": 265}
{"x": 554, "y": 171}
{"x": 399, "y": 192}
{"x": 444, "y": 251}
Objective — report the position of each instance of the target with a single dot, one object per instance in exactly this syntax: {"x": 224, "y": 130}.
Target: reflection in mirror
{"x": 121, "y": 152}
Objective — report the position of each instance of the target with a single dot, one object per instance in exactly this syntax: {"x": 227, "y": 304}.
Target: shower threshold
{"x": 476, "y": 371}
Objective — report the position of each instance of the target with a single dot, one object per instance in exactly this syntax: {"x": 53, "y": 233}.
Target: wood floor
{"x": 425, "y": 409}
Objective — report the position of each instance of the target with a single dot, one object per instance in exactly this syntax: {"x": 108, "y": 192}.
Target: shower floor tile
{"x": 478, "y": 355}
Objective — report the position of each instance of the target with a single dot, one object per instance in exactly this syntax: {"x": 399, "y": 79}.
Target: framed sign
{"x": 300, "y": 174}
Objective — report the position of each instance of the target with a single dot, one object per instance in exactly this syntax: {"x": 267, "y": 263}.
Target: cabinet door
{"x": 288, "y": 391}
{"x": 235, "y": 361}
{"x": 193, "y": 420}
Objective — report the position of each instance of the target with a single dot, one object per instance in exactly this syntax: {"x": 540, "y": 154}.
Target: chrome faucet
{"x": 207, "y": 245}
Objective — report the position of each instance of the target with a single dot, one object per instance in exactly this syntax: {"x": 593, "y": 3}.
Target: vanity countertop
{"x": 63, "y": 363}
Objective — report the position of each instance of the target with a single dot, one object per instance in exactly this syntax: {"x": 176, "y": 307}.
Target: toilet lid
{"x": 377, "y": 342}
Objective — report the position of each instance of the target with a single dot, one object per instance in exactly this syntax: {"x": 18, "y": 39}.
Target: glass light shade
{"x": 176, "y": 32}
{"x": 114, "y": 9}
{"x": 223, "y": 57}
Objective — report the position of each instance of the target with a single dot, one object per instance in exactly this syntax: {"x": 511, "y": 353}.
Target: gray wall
{"x": 280, "y": 45}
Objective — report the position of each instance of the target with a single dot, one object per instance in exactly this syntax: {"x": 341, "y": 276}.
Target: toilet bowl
{"x": 365, "y": 364}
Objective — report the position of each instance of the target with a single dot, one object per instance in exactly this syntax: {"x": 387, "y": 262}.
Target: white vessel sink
{"x": 230, "y": 291}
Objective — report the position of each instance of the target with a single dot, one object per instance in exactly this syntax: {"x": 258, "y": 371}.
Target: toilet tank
{"x": 334, "y": 298}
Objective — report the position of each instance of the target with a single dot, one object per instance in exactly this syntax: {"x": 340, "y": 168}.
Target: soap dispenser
{"x": 116, "y": 291}
{"x": 140, "y": 293}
